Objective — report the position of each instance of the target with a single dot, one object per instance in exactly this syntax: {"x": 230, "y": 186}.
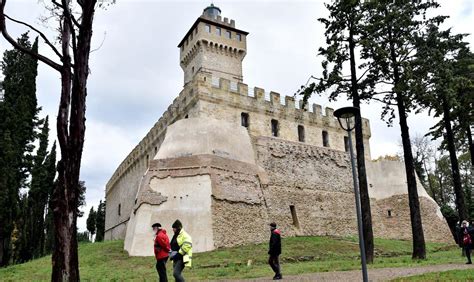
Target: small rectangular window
{"x": 274, "y": 128}
{"x": 191, "y": 36}
{"x": 244, "y": 118}
{"x": 346, "y": 144}
{"x": 218, "y": 31}
{"x": 325, "y": 139}
{"x": 239, "y": 37}
{"x": 147, "y": 160}
{"x": 119, "y": 209}
{"x": 300, "y": 133}
{"x": 208, "y": 28}
{"x": 389, "y": 213}
{"x": 228, "y": 34}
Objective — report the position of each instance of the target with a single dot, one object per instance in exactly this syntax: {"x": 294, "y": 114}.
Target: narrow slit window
{"x": 119, "y": 209}
{"x": 244, "y": 119}
{"x": 389, "y": 213}
{"x": 325, "y": 139}
{"x": 294, "y": 216}
{"x": 274, "y": 128}
{"x": 156, "y": 150}
{"x": 301, "y": 133}
{"x": 147, "y": 160}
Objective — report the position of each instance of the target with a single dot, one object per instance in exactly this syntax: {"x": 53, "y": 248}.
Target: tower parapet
{"x": 215, "y": 45}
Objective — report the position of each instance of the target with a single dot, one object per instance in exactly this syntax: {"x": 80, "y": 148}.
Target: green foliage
{"x": 18, "y": 118}
{"x": 91, "y": 221}
{"x": 100, "y": 222}
{"x": 83, "y": 237}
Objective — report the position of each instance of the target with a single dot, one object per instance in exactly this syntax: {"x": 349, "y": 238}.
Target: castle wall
{"x": 223, "y": 100}
{"x": 304, "y": 177}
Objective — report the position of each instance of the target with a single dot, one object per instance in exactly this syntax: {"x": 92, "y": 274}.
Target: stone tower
{"x": 213, "y": 45}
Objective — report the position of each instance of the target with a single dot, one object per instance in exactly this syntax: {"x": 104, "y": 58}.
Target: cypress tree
{"x": 100, "y": 222}
{"x": 18, "y": 119}
{"x": 91, "y": 222}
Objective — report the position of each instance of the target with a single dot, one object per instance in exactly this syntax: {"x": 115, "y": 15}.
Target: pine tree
{"x": 390, "y": 48}
{"x": 344, "y": 30}
{"x": 17, "y": 122}
{"x": 441, "y": 97}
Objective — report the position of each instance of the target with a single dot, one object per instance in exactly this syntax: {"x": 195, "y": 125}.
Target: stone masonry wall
{"x": 203, "y": 98}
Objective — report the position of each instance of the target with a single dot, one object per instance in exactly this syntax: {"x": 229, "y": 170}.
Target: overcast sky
{"x": 135, "y": 73}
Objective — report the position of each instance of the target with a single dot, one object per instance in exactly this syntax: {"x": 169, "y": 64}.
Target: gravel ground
{"x": 378, "y": 274}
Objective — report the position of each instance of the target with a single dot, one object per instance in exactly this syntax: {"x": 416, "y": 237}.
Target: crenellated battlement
{"x": 227, "y": 94}
{"x": 270, "y": 102}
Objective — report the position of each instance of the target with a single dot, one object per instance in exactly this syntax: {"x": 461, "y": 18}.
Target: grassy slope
{"x": 108, "y": 260}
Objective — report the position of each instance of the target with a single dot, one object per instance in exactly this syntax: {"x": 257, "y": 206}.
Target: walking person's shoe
{"x": 277, "y": 277}
{"x": 469, "y": 262}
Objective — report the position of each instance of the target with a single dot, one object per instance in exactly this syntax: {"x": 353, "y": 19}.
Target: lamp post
{"x": 346, "y": 117}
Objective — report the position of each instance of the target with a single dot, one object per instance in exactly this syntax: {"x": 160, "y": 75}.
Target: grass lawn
{"x": 451, "y": 275}
{"x": 108, "y": 260}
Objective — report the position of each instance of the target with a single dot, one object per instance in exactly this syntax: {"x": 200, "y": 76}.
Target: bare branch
{"x": 39, "y": 32}
{"x": 6, "y": 35}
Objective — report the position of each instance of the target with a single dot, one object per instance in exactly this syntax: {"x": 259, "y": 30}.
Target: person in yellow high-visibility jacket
{"x": 181, "y": 250}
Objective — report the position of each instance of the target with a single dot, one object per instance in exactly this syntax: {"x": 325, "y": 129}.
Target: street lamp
{"x": 347, "y": 117}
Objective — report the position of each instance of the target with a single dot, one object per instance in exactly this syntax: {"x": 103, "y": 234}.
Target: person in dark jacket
{"x": 465, "y": 237}
{"x": 161, "y": 249}
{"x": 275, "y": 251}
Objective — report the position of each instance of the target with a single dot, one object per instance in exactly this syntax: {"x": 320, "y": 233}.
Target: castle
{"x": 226, "y": 161}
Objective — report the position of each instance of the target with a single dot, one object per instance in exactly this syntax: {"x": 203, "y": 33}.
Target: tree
{"x": 441, "y": 97}
{"x": 42, "y": 179}
{"x": 390, "y": 48}
{"x": 75, "y": 33}
{"x": 343, "y": 33}
{"x": 18, "y": 117}
{"x": 91, "y": 222}
{"x": 100, "y": 222}
{"x": 423, "y": 153}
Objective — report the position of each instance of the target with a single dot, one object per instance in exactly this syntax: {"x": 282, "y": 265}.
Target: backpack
{"x": 467, "y": 239}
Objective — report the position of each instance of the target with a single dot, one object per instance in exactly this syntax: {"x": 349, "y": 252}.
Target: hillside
{"x": 108, "y": 260}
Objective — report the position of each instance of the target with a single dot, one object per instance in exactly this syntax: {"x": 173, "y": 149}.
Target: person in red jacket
{"x": 161, "y": 248}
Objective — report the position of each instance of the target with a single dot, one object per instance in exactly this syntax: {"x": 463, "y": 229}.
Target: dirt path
{"x": 377, "y": 274}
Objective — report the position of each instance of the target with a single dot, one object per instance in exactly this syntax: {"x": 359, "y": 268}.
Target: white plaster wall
{"x": 196, "y": 136}
{"x": 388, "y": 178}
{"x": 188, "y": 199}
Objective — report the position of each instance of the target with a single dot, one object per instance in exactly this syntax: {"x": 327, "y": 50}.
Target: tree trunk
{"x": 449, "y": 137}
{"x": 471, "y": 144}
{"x": 419, "y": 249}
{"x": 362, "y": 175}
